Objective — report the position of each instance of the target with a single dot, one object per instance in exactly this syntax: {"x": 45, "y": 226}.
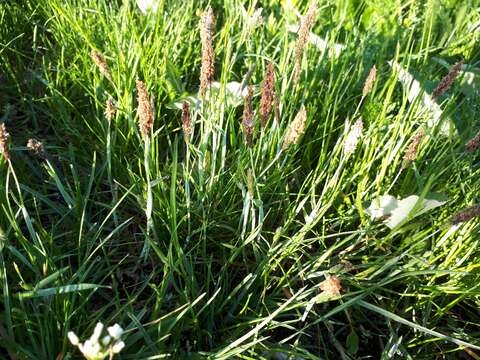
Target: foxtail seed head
{"x": 4, "y": 135}
{"x": 369, "y": 81}
{"x": 473, "y": 144}
{"x": 466, "y": 214}
{"x": 248, "y": 121}
{"x": 267, "y": 94}
{"x": 306, "y": 24}
{"x": 206, "y": 35}
{"x": 296, "y": 128}
{"x": 186, "y": 120}
{"x": 145, "y": 109}
{"x": 448, "y": 80}
{"x": 353, "y": 137}
{"x": 101, "y": 63}
{"x": 110, "y": 109}
{"x": 412, "y": 150}
{"x": 37, "y": 147}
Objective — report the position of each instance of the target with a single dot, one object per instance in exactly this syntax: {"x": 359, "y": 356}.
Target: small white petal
{"x": 73, "y": 338}
{"x": 106, "y": 340}
{"x": 90, "y": 350}
{"x": 115, "y": 331}
{"x": 97, "y": 332}
{"x": 118, "y": 346}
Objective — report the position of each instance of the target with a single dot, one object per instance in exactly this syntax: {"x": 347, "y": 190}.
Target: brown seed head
{"x": 473, "y": 144}
{"x": 412, "y": 150}
{"x": 101, "y": 63}
{"x": 206, "y": 35}
{"x": 277, "y": 107}
{"x": 4, "y": 142}
{"x": 267, "y": 94}
{"x": 369, "y": 81}
{"x": 110, "y": 109}
{"x": 353, "y": 137}
{"x": 466, "y": 214}
{"x": 145, "y": 109}
{"x": 448, "y": 80}
{"x": 331, "y": 286}
{"x": 296, "y": 128}
{"x": 186, "y": 120}
{"x": 37, "y": 147}
{"x": 248, "y": 121}
{"x": 306, "y": 24}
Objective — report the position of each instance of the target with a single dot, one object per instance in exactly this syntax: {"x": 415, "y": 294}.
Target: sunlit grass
{"x": 211, "y": 247}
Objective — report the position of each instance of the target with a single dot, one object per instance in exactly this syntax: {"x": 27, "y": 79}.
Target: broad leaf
{"x": 398, "y": 211}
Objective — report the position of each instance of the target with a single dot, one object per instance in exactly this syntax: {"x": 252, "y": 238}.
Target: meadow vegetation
{"x": 240, "y": 179}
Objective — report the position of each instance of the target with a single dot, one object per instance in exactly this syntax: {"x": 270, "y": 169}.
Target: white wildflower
{"x": 118, "y": 346}
{"x": 96, "y": 333}
{"x": 90, "y": 349}
{"x": 96, "y": 349}
{"x": 73, "y": 338}
{"x": 115, "y": 331}
{"x": 106, "y": 340}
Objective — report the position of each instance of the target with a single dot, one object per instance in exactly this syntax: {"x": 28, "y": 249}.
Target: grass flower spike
{"x": 248, "y": 117}
{"x": 37, "y": 147}
{"x": 353, "y": 137}
{"x": 98, "y": 347}
{"x": 412, "y": 150}
{"x": 448, "y": 80}
{"x": 145, "y": 109}
{"x": 4, "y": 142}
{"x": 267, "y": 94}
{"x": 306, "y": 24}
{"x": 466, "y": 214}
{"x": 206, "y": 35}
{"x": 110, "y": 109}
{"x": 101, "y": 63}
{"x": 369, "y": 81}
{"x": 186, "y": 120}
{"x": 473, "y": 144}
{"x": 296, "y": 128}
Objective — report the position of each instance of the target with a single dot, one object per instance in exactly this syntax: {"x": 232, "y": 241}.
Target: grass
{"x": 210, "y": 248}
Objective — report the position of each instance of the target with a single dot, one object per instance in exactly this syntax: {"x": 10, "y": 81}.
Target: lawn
{"x": 278, "y": 179}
